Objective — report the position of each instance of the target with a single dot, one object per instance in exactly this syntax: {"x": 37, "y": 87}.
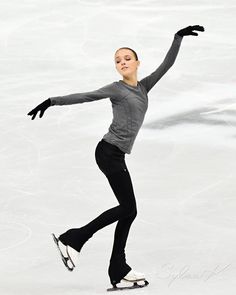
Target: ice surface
{"x": 182, "y": 165}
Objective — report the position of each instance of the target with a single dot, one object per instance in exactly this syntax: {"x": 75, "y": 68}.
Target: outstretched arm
{"x": 100, "y": 93}
{"x": 103, "y": 92}
{"x": 149, "y": 81}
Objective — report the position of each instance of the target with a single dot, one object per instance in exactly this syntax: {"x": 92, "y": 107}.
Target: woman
{"x": 129, "y": 102}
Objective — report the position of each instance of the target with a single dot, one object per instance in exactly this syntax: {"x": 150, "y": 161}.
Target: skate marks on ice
{"x": 221, "y": 114}
{"x": 136, "y": 285}
{"x": 20, "y": 234}
{"x": 231, "y": 107}
{"x": 195, "y": 117}
{"x": 228, "y": 105}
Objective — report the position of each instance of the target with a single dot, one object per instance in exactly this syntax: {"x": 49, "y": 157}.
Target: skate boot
{"x": 132, "y": 277}
{"x": 69, "y": 255}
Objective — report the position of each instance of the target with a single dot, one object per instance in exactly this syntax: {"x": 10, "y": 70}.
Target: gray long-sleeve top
{"x": 129, "y": 103}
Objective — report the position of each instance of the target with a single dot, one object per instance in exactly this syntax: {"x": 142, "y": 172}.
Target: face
{"x": 125, "y": 62}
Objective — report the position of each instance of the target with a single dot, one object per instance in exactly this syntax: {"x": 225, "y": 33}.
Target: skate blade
{"x": 65, "y": 259}
{"x": 133, "y": 281}
{"x": 73, "y": 255}
{"x": 134, "y": 286}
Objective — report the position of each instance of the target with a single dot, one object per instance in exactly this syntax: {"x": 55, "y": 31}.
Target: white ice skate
{"x": 132, "y": 277}
{"x": 69, "y": 255}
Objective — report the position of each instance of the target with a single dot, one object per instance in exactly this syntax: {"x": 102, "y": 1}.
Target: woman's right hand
{"x": 40, "y": 108}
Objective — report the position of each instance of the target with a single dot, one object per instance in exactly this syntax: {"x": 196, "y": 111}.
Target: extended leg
{"x": 122, "y": 188}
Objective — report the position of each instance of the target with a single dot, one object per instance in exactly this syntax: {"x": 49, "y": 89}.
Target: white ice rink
{"x": 182, "y": 165}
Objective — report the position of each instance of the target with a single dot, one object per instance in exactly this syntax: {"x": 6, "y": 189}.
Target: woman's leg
{"x": 122, "y": 188}
{"x": 111, "y": 162}
{"x": 125, "y": 196}
{"x": 118, "y": 267}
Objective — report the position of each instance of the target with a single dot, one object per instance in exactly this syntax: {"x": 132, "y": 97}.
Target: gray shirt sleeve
{"x": 103, "y": 92}
{"x": 149, "y": 81}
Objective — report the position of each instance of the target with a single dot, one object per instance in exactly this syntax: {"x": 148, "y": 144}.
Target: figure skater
{"x": 129, "y": 101}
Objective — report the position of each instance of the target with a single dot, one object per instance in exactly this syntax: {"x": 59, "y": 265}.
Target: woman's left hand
{"x": 188, "y": 30}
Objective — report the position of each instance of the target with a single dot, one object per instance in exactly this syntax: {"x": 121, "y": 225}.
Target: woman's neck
{"x": 132, "y": 82}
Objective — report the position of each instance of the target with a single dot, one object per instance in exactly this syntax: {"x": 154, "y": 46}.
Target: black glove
{"x": 41, "y": 107}
{"x": 188, "y": 30}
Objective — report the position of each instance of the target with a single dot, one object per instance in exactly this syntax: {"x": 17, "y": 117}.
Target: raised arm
{"x": 149, "y": 81}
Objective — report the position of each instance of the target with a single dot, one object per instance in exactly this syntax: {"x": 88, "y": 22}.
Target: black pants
{"x": 111, "y": 161}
